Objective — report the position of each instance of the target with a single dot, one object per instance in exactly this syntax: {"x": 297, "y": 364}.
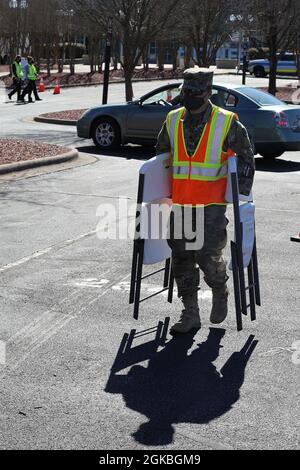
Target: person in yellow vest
{"x": 17, "y": 75}
{"x": 201, "y": 137}
{"x": 32, "y": 75}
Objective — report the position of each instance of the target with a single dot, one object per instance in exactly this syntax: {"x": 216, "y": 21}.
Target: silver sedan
{"x": 273, "y": 126}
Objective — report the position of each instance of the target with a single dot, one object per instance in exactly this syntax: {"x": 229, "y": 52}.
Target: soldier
{"x": 17, "y": 75}
{"x": 201, "y": 137}
{"x": 32, "y": 75}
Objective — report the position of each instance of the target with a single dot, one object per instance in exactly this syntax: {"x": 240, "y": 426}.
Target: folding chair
{"x": 154, "y": 184}
{"x": 239, "y": 264}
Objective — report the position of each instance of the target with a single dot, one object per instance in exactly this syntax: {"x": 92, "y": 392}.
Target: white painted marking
{"x": 152, "y": 289}
{"x": 109, "y": 287}
{"x": 2, "y": 353}
{"x": 124, "y": 287}
{"x": 25, "y": 260}
{"x": 31, "y": 337}
{"x": 46, "y": 317}
{"x": 277, "y": 210}
{"x": 294, "y": 350}
{"x": 296, "y": 353}
{"x": 94, "y": 283}
{"x": 296, "y": 345}
{"x": 38, "y": 254}
{"x": 274, "y": 351}
{"x": 26, "y": 352}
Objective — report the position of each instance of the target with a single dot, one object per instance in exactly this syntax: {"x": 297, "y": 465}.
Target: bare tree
{"x": 295, "y": 44}
{"x": 275, "y": 22}
{"x": 14, "y": 26}
{"x": 43, "y": 32}
{"x": 207, "y": 25}
{"x": 137, "y": 22}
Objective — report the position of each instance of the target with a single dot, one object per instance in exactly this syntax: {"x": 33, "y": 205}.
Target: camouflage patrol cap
{"x": 197, "y": 79}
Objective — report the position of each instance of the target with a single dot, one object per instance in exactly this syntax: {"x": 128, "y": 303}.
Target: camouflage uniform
{"x": 210, "y": 257}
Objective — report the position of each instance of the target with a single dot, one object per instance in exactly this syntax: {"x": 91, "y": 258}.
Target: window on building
{"x": 152, "y": 49}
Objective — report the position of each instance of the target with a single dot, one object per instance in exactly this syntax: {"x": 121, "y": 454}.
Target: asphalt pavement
{"x": 76, "y": 371}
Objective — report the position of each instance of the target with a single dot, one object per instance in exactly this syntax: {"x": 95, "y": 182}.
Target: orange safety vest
{"x": 202, "y": 178}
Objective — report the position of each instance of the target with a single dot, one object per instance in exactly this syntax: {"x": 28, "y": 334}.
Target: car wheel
{"x": 259, "y": 72}
{"x": 271, "y": 155}
{"x": 106, "y": 134}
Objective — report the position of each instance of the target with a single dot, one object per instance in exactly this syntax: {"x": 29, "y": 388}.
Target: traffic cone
{"x": 56, "y": 88}
{"x": 169, "y": 96}
{"x": 42, "y": 86}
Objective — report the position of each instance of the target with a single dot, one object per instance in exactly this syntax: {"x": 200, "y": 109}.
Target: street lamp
{"x": 107, "y": 61}
{"x": 245, "y": 50}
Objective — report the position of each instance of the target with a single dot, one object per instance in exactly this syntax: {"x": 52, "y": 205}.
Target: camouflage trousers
{"x": 209, "y": 259}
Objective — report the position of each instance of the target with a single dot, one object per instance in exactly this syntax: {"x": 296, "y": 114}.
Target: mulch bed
{"x": 97, "y": 78}
{"x": 286, "y": 93}
{"x": 17, "y": 150}
{"x": 70, "y": 115}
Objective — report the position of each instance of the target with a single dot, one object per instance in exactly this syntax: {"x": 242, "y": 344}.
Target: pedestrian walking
{"x": 201, "y": 137}
{"x": 17, "y": 76}
{"x": 31, "y": 82}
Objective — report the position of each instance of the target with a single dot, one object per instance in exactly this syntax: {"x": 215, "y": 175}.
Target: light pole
{"x": 245, "y": 50}
{"x": 107, "y": 61}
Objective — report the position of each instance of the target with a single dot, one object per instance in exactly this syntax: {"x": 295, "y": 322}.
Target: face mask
{"x": 192, "y": 103}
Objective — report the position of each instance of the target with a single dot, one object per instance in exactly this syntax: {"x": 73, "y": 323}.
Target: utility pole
{"x": 239, "y": 51}
{"x": 107, "y": 62}
{"x": 245, "y": 50}
{"x": 298, "y": 59}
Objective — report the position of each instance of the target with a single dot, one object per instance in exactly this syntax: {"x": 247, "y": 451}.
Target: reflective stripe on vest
{"x": 200, "y": 179}
{"x": 32, "y": 73}
{"x": 19, "y": 70}
{"x": 200, "y": 174}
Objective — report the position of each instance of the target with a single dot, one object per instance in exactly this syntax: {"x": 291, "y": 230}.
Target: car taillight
{"x": 281, "y": 120}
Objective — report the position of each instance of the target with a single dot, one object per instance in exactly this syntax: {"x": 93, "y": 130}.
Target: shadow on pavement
{"x": 277, "y": 165}
{"x": 176, "y": 387}
{"x": 129, "y": 152}
{"x": 137, "y": 152}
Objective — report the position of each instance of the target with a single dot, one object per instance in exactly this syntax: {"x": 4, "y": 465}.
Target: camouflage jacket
{"x": 236, "y": 140}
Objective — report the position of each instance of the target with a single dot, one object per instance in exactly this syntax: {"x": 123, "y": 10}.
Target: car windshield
{"x": 161, "y": 97}
{"x": 260, "y": 97}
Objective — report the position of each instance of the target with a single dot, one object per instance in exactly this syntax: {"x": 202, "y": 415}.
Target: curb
{"x": 26, "y": 164}
{"x": 62, "y": 122}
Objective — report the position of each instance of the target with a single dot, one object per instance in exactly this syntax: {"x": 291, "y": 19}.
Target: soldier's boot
{"x": 190, "y": 317}
{"x": 219, "y": 309}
